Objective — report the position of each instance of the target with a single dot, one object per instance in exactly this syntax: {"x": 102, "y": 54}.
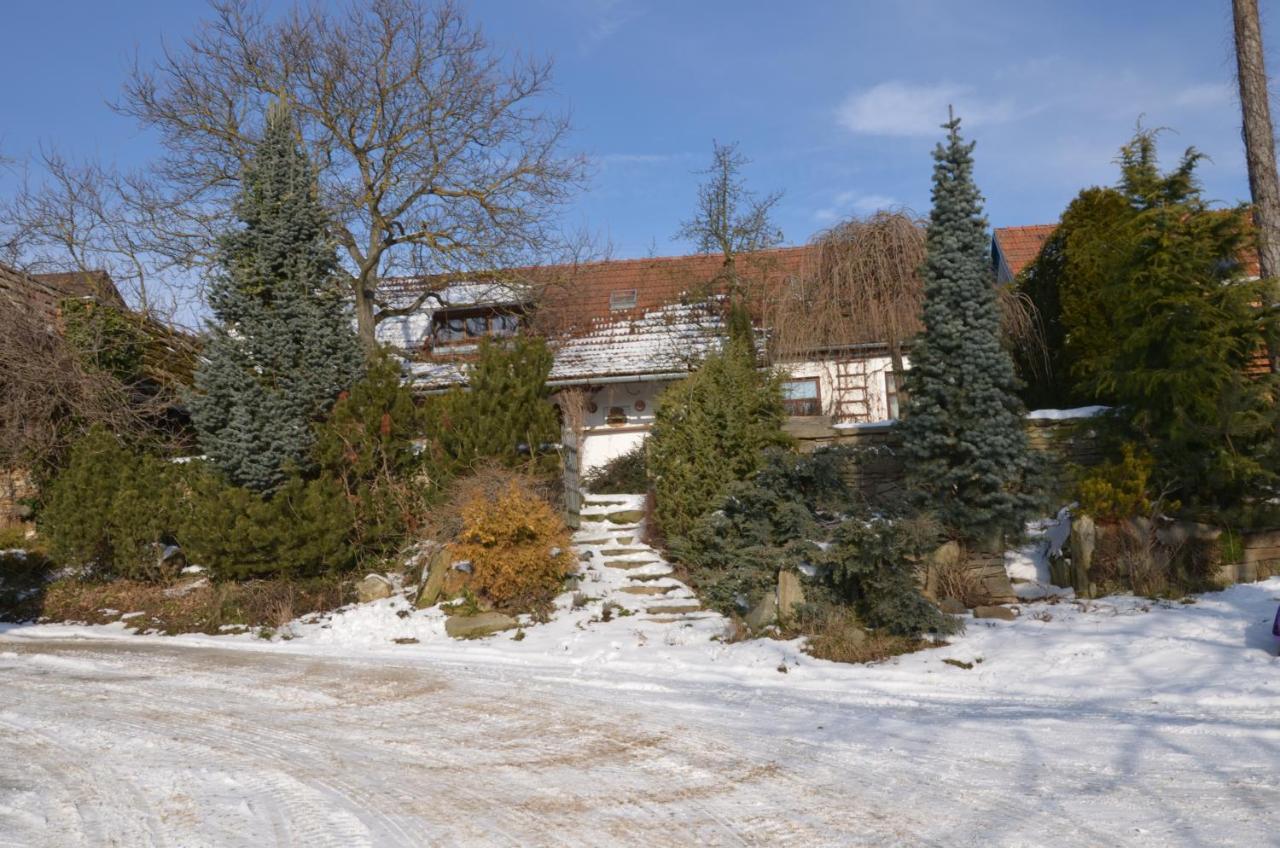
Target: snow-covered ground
{"x": 1113, "y": 722}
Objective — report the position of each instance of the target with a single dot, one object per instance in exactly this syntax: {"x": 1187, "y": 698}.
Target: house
{"x": 622, "y": 331}
{"x": 1014, "y": 248}
{"x": 43, "y": 294}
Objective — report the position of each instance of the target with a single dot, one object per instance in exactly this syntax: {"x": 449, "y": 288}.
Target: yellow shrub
{"x": 518, "y": 547}
{"x": 1117, "y": 490}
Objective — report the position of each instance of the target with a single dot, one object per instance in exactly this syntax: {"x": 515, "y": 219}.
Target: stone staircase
{"x": 617, "y": 566}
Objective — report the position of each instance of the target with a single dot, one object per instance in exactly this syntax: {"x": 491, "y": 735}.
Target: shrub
{"x": 303, "y": 529}
{"x": 625, "y": 474}
{"x": 1115, "y": 490}
{"x": 709, "y": 431}
{"x": 874, "y": 566}
{"x": 505, "y": 406}
{"x": 366, "y": 445}
{"x": 110, "y": 507}
{"x": 518, "y": 548}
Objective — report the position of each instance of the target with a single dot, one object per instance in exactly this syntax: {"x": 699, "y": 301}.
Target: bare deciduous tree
{"x": 1259, "y": 143}
{"x": 434, "y": 153}
{"x": 729, "y": 218}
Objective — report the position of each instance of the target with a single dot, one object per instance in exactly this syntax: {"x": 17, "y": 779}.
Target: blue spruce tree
{"x": 963, "y": 439}
{"x": 283, "y": 347}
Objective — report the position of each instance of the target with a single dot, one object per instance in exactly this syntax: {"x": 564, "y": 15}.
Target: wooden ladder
{"x": 851, "y": 391}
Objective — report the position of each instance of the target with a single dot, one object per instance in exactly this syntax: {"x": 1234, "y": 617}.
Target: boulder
{"x": 952, "y": 607}
{"x": 433, "y": 574}
{"x": 374, "y": 587}
{"x": 187, "y": 585}
{"x": 765, "y": 613}
{"x": 1083, "y": 542}
{"x": 475, "y": 626}
{"x": 947, "y": 555}
{"x": 790, "y": 594}
{"x": 1000, "y": 613}
{"x": 1177, "y": 533}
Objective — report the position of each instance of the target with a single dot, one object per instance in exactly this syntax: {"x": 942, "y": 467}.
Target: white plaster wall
{"x": 875, "y": 369}
{"x": 602, "y": 442}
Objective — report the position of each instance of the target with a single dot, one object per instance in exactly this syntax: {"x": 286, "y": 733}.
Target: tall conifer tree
{"x": 283, "y": 347}
{"x": 965, "y": 449}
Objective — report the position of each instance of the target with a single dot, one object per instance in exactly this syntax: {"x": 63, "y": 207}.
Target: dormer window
{"x": 622, "y": 299}
{"x": 459, "y": 326}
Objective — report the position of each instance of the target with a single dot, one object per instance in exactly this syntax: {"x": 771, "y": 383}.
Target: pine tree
{"x": 283, "y": 348}
{"x": 506, "y": 405}
{"x": 963, "y": 439}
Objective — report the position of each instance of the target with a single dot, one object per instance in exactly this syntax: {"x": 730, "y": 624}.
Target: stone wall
{"x": 15, "y": 487}
{"x": 1063, "y": 443}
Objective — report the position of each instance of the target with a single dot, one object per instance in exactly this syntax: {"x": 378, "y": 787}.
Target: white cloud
{"x": 906, "y": 109}
{"x": 848, "y": 202}
{"x": 1208, "y": 94}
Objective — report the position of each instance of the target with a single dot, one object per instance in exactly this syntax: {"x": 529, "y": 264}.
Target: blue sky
{"x": 836, "y": 102}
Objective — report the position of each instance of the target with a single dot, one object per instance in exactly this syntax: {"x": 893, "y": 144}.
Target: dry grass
{"x": 837, "y": 635}
{"x": 206, "y": 608}
{"x": 959, "y": 580}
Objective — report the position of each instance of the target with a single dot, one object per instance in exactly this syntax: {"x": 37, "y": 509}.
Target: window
{"x": 891, "y": 393}
{"x": 801, "y": 397}
{"x": 624, "y": 299}
{"x": 469, "y": 326}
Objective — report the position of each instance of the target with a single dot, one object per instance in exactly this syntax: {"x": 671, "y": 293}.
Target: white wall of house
{"x": 870, "y": 373}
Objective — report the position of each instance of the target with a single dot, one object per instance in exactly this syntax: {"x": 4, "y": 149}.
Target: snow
{"x": 1120, "y": 721}
{"x": 1067, "y": 414}
{"x": 1028, "y": 566}
{"x": 864, "y": 425}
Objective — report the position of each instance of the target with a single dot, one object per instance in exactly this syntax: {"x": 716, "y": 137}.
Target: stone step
{"x": 674, "y": 609}
{"x": 628, "y": 564}
{"x": 648, "y": 590}
{"x": 672, "y": 619}
{"x": 653, "y": 575}
{"x": 607, "y": 540}
{"x": 618, "y": 552}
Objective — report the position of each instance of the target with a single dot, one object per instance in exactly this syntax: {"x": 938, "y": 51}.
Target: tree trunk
{"x": 365, "y": 323}
{"x": 1259, "y": 145}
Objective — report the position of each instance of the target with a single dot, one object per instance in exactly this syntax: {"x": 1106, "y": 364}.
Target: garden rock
{"x": 765, "y": 613}
{"x": 999, "y": 613}
{"x": 374, "y": 587}
{"x": 790, "y": 594}
{"x": 433, "y": 575}
{"x": 952, "y": 607}
{"x": 475, "y": 626}
{"x": 1083, "y": 542}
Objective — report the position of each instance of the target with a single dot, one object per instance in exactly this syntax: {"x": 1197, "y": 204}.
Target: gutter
{"x": 625, "y": 378}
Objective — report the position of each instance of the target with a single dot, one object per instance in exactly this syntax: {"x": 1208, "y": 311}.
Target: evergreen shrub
{"x": 505, "y": 414}
{"x": 110, "y": 507}
{"x": 709, "y": 431}
{"x": 518, "y": 547}
{"x": 1120, "y": 489}
{"x": 625, "y": 474}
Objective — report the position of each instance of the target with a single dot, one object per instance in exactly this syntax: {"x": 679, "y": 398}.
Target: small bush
{"x": 518, "y": 548}
{"x": 110, "y": 507}
{"x": 303, "y": 529}
{"x": 1115, "y": 490}
{"x": 623, "y": 475}
{"x": 835, "y": 634}
{"x": 874, "y": 567}
{"x": 959, "y": 580}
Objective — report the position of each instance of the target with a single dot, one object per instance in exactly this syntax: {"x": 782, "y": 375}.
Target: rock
{"x": 790, "y": 594}
{"x": 1000, "y": 613}
{"x": 374, "y": 587}
{"x": 628, "y": 516}
{"x": 433, "y": 574}
{"x": 1178, "y": 533}
{"x": 952, "y": 607}
{"x": 187, "y": 586}
{"x": 765, "y": 613}
{"x": 1083, "y": 541}
{"x": 945, "y": 556}
{"x": 674, "y": 609}
{"x": 647, "y": 590}
{"x": 475, "y": 626}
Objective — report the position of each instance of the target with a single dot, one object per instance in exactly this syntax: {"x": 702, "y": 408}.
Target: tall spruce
{"x": 283, "y": 348}
{"x": 965, "y": 449}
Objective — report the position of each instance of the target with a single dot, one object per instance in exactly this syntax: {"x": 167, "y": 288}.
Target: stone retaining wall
{"x": 15, "y": 487}
{"x": 1063, "y": 443}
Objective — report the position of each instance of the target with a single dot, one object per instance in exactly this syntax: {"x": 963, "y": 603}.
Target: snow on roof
{"x": 403, "y": 291}
{"x": 665, "y": 340}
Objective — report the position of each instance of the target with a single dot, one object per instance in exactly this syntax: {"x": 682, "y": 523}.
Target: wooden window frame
{"x": 632, "y": 298}
{"x": 804, "y": 407}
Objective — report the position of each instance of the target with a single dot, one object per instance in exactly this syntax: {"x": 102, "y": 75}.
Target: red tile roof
{"x": 1019, "y": 246}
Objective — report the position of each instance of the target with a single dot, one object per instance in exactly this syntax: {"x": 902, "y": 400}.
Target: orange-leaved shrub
{"x": 518, "y": 547}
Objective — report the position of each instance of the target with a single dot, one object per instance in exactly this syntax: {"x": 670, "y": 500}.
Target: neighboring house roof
{"x": 1014, "y": 248}
{"x": 96, "y": 285}
{"x": 43, "y": 293}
